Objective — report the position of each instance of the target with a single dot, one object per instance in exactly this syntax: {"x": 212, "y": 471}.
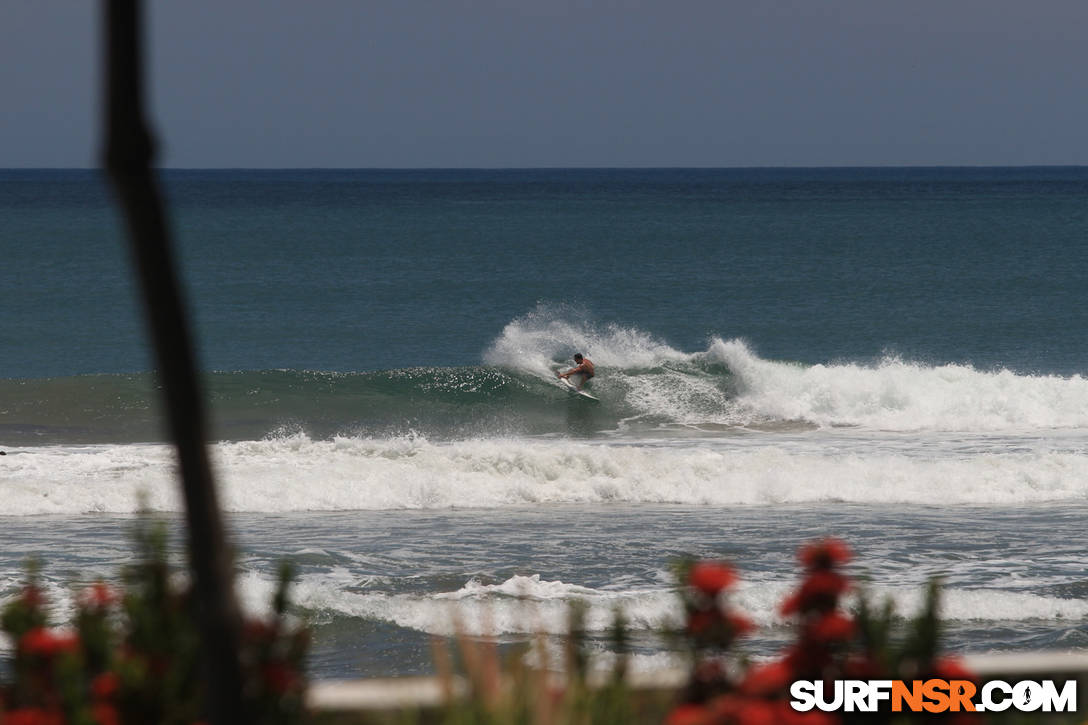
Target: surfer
{"x": 582, "y": 366}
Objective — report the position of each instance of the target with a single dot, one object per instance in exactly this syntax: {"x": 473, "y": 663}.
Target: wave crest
{"x": 344, "y": 474}
{"x": 897, "y": 395}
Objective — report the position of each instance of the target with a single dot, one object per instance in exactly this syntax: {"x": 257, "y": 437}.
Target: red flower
{"x": 739, "y": 625}
{"x": 98, "y": 596}
{"x": 825, "y": 554}
{"x": 33, "y": 716}
{"x": 791, "y": 604}
{"x": 757, "y": 712}
{"x": 713, "y": 621}
{"x": 700, "y": 622}
{"x": 105, "y": 714}
{"x": 832, "y": 627}
{"x": 725, "y": 708}
{"x": 767, "y": 680}
{"x": 257, "y": 630}
{"x": 279, "y": 677}
{"x": 708, "y": 672}
{"x": 806, "y": 660}
{"x": 820, "y": 591}
{"x": 710, "y": 577}
{"x": 45, "y": 643}
{"x": 688, "y": 715}
{"x": 32, "y": 596}
{"x": 105, "y": 686}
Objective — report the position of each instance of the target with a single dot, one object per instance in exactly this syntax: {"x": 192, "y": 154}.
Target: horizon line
{"x": 566, "y": 168}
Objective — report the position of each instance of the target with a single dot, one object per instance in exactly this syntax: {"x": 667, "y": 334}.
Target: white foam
{"x": 529, "y": 604}
{"x": 761, "y": 600}
{"x": 890, "y": 395}
{"x": 903, "y": 396}
{"x": 988, "y": 605}
{"x": 520, "y": 605}
{"x": 89, "y": 479}
{"x": 536, "y": 342}
{"x": 299, "y": 474}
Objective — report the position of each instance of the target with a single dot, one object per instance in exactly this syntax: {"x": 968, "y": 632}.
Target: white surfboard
{"x": 574, "y": 389}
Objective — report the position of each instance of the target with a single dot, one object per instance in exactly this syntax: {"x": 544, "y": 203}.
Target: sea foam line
{"x": 530, "y": 604}
{"x": 299, "y": 474}
{"x": 904, "y": 396}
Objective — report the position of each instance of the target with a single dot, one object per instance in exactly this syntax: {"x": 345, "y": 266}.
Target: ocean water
{"x": 894, "y": 356}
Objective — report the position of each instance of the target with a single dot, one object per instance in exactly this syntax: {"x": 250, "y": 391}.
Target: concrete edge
{"x": 403, "y": 692}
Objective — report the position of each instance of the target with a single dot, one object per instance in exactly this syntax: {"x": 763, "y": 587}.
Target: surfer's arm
{"x": 577, "y": 369}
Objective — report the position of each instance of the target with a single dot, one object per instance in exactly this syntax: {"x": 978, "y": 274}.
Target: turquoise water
{"x": 890, "y": 355}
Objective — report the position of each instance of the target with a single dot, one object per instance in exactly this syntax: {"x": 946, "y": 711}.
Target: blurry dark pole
{"x": 129, "y": 154}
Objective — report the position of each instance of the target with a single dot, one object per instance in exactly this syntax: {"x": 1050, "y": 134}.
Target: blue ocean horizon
{"x": 897, "y": 356}
{"x": 743, "y": 241}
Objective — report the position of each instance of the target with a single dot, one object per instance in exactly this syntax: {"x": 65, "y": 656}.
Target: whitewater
{"x": 300, "y": 474}
{"x": 721, "y": 427}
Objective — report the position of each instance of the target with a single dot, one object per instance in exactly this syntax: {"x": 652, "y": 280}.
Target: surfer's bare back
{"x": 582, "y": 365}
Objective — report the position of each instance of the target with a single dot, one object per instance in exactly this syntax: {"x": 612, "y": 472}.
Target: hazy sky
{"x": 507, "y": 83}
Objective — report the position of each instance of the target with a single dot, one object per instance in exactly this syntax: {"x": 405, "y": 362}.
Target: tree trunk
{"x": 128, "y": 157}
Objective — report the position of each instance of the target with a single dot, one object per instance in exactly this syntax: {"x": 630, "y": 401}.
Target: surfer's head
{"x": 577, "y": 357}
